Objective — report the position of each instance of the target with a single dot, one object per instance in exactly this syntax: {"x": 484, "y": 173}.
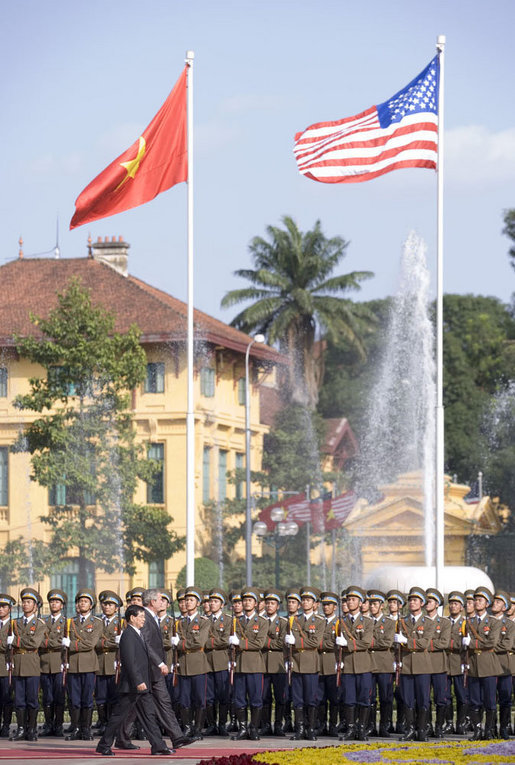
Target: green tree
{"x": 509, "y": 230}
{"x": 295, "y": 295}
{"x": 82, "y": 440}
{"x": 22, "y": 561}
{"x": 206, "y": 574}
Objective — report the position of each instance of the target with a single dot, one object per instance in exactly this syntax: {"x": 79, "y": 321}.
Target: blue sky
{"x": 81, "y": 81}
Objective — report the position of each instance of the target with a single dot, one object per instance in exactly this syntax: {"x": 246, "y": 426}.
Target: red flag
{"x": 154, "y": 163}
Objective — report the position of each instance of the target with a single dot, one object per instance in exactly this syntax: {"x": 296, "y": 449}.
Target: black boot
{"x": 223, "y": 726}
{"x": 410, "y": 732}
{"x": 101, "y": 723}
{"x": 489, "y": 731}
{"x": 461, "y": 719}
{"x": 199, "y": 724}
{"x": 350, "y": 726}
{"x": 401, "y": 725}
{"x": 300, "y": 725}
{"x": 362, "y": 727}
{"x": 333, "y": 720}
{"x": 31, "y": 730}
{"x": 6, "y": 723}
{"x": 255, "y": 717}
{"x": 278, "y": 721}
{"x": 243, "y": 731}
{"x": 342, "y": 727}
{"x": 422, "y": 718}
{"x": 504, "y": 722}
{"x": 73, "y": 732}
{"x": 187, "y": 722}
{"x": 475, "y": 720}
{"x": 86, "y": 715}
{"x": 211, "y": 728}
{"x": 385, "y": 718}
{"x": 439, "y": 722}
{"x": 19, "y": 733}
{"x": 321, "y": 727}
{"x": 372, "y": 721}
{"x": 448, "y": 726}
{"x": 266, "y": 720}
{"x": 58, "y": 720}
{"x": 48, "y": 726}
{"x": 310, "y": 733}
{"x": 288, "y": 723}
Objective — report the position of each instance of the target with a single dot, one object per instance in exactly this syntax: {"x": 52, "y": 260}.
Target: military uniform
{"x": 51, "y": 658}
{"x": 328, "y": 689}
{"x": 505, "y": 648}
{"x": 383, "y": 661}
{"x": 85, "y": 632}
{"x": 456, "y": 660}
{"x": 218, "y": 689}
{"x": 193, "y": 633}
{"x": 29, "y": 634}
{"x": 107, "y": 650}
{"x": 439, "y": 661}
{"x": 6, "y": 700}
{"x": 275, "y": 677}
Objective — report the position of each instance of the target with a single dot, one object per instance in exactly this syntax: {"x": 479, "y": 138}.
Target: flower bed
{"x": 448, "y": 753}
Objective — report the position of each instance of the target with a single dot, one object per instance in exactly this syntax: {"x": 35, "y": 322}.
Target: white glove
{"x": 289, "y": 639}
{"x": 465, "y": 641}
{"x": 286, "y": 666}
{"x": 66, "y": 642}
{"x": 10, "y": 639}
{"x": 234, "y": 640}
{"x": 400, "y": 638}
{"x": 117, "y": 639}
{"x": 341, "y": 641}
{"x": 463, "y": 668}
{"x": 64, "y": 666}
{"x": 175, "y": 640}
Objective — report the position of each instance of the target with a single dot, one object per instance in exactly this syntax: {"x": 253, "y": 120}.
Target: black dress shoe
{"x": 105, "y": 750}
{"x": 130, "y": 745}
{"x": 183, "y": 741}
{"x": 162, "y": 751}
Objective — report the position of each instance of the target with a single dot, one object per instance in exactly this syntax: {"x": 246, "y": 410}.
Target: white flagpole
{"x": 439, "y": 461}
{"x": 190, "y": 416}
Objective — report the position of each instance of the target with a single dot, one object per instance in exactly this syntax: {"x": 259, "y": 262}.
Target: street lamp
{"x": 248, "y": 508}
{"x": 283, "y": 529}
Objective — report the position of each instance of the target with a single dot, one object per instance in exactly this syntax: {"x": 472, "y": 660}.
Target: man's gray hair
{"x": 150, "y": 595}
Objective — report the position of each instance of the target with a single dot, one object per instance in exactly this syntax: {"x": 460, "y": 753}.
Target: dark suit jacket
{"x": 154, "y": 641}
{"x": 135, "y": 662}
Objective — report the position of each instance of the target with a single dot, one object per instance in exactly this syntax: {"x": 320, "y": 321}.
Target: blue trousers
{"x": 278, "y": 682}
{"x": 81, "y": 686}
{"x": 415, "y": 691}
{"x": 105, "y": 689}
{"x": 327, "y": 690}
{"x": 193, "y": 692}
{"x": 248, "y": 686}
{"x": 5, "y": 692}
{"x": 358, "y": 689}
{"x": 218, "y": 687}
{"x": 504, "y": 690}
{"x": 461, "y": 693}
{"x": 52, "y": 689}
{"x": 26, "y": 692}
{"x": 439, "y": 683}
{"x": 304, "y": 689}
{"x": 383, "y": 682}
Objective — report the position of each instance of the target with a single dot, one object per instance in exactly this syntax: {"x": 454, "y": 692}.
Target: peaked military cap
{"x": 108, "y": 596}
{"x": 181, "y": 594}
{"x": 432, "y": 592}
{"x": 250, "y": 592}
{"x": 469, "y": 594}
{"x": 195, "y": 591}
{"x": 512, "y": 597}
{"x": 7, "y": 600}
{"x": 57, "y": 595}
{"x": 273, "y": 595}
{"x": 136, "y": 592}
{"x": 292, "y": 594}
{"x": 329, "y": 597}
{"x": 376, "y": 595}
{"x": 457, "y": 595}
{"x": 235, "y": 595}
{"x": 484, "y": 592}
{"x": 356, "y": 592}
{"x": 502, "y": 595}
{"x": 418, "y": 592}
{"x": 86, "y": 593}
{"x": 309, "y": 592}
{"x": 166, "y": 595}
{"x": 29, "y": 593}
{"x": 396, "y": 595}
{"x": 217, "y": 592}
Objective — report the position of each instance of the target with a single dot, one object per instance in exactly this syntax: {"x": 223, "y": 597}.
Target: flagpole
{"x": 190, "y": 417}
{"x": 439, "y": 459}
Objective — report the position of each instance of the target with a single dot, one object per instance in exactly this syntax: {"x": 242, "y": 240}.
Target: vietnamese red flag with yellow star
{"x": 154, "y": 163}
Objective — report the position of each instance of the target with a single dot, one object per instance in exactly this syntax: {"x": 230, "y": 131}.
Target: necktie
{"x": 82, "y": 619}
{"x": 106, "y": 620}
{"x": 413, "y": 620}
{"x": 352, "y": 620}
{"x": 53, "y": 620}
{"x": 25, "y": 621}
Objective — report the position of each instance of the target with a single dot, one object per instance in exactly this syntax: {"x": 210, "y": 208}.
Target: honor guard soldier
{"x": 439, "y": 660}
{"x": 305, "y": 637}
{"x": 249, "y": 639}
{"x": 107, "y": 650}
{"x": 192, "y": 636}
{"x": 136, "y": 596}
{"x": 206, "y": 606}
{"x": 29, "y": 633}
{"x": 52, "y": 683}
{"x": 181, "y": 602}
{"x": 415, "y": 638}
{"x": 6, "y": 700}
{"x": 470, "y": 608}
{"x": 217, "y": 689}
{"x": 383, "y": 660}
{"x": 483, "y": 636}
{"x": 504, "y": 649}
{"x": 356, "y": 638}
{"x": 85, "y": 632}
{"x": 292, "y": 597}
{"x": 396, "y": 601}
{"x": 275, "y": 674}
{"x": 327, "y": 671}
{"x": 458, "y": 659}
{"x": 166, "y": 626}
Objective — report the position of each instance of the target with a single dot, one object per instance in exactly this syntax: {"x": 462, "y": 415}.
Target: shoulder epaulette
{"x": 39, "y": 619}
{"x": 317, "y": 616}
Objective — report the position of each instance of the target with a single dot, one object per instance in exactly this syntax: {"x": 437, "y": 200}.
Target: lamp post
{"x": 283, "y": 529}
{"x": 248, "y": 507}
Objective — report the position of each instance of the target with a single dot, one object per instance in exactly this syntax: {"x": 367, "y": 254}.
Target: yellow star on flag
{"x": 132, "y": 166}
{"x": 330, "y": 515}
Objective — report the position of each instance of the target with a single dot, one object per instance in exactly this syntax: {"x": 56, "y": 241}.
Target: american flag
{"x": 401, "y": 132}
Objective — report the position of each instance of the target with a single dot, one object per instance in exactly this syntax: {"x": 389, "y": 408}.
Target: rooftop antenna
{"x": 55, "y": 251}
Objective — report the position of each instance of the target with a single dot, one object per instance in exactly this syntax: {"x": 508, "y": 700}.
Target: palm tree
{"x": 294, "y": 297}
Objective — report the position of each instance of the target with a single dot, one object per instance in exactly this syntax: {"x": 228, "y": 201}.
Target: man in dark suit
{"x": 134, "y": 687}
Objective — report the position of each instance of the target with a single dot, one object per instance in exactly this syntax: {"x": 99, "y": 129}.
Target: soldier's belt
{"x": 24, "y": 650}
{"x": 479, "y": 651}
{"x": 188, "y": 651}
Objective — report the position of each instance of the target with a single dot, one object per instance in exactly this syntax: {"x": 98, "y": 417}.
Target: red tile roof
{"x": 30, "y": 285}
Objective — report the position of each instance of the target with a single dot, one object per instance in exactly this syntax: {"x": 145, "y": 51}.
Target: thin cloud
{"x": 474, "y": 154}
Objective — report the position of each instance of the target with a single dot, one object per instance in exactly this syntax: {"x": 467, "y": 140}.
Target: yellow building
{"x": 159, "y": 406}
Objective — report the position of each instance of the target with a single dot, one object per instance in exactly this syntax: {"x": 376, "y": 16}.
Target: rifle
{"x": 339, "y": 652}
{"x": 398, "y": 655}
{"x": 117, "y": 663}
{"x": 465, "y": 654}
{"x": 290, "y": 650}
{"x": 232, "y": 652}
{"x": 174, "y": 648}
{"x": 64, "y": 649}
{"x": 9, "y": 653}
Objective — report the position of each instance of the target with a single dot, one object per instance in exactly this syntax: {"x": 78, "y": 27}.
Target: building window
{"x": 155, "y": 488}
{"x": 61, "y": 495}
{"x": 222, "y": 475}
{"x": 156, "y": 574}
{"x": 240, "y": 462}
{"x": 4, "y": 475}
{"x": 155, "y": 379}
{"x": 58, "y": 376}
{"x": 206, "y": 475}
{"x": 241, "y": 391}
{"x": 3, "y": 382}
{"x": 207, "y": 382}
{"x": 68, "y": 579}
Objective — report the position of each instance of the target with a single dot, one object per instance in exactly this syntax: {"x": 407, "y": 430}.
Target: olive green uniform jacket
{"x": 217, "y": 647}
{"x": 107, "y": 647}
{"x": 485, "y": 635}
{"x": 415, "y": 654}
{"x": 83, "y": 641}
{"x": 193, "y": 636}
{"x": 440, "y": 642}
{"x": 50, "y": 653}
{"x": 27, "y": 640}
{"x": 309, "y": 636}
{"x": 506, "y": 646}
{"x": 382, "y": 650}
{"x": 359, "y": 636}
{"x": 253, "y": 637}
{"x": 455, "y": 650}
{"x": 327, "y": 651}
{"x": 4, "y": 632}
{"x": 273, "y": 652}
